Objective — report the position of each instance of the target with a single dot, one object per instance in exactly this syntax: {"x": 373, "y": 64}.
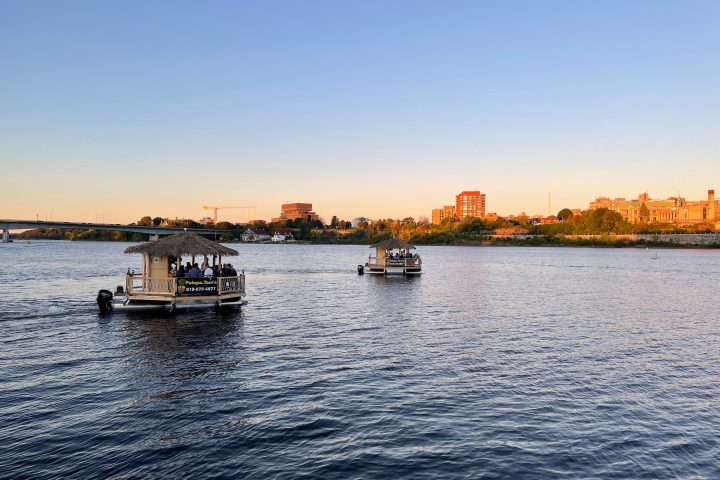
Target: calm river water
{"x": 496, "y": 363}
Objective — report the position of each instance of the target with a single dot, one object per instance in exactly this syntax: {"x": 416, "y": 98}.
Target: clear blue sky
{"x": 117, "y": 109}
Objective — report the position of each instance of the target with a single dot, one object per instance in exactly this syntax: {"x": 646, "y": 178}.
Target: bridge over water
{"x": 6, "y": 225}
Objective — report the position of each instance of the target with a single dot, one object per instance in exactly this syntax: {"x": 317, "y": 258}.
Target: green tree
{"x": 145, "y": 221}
{"x": 157, "y": 221}
{"x": 449, "y": 223}
{"x": 408, "y": 222}
{"x": 565, "y": 214}
{"x": 644, "y": 213}
{"x": 224, "y": 226}
{"x": 603, "y": 220}
{"x": 472, "y": 225}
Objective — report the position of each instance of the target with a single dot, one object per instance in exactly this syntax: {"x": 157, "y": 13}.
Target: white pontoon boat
{"x": 160, "y": 287}
{"x": 392, "y": 257}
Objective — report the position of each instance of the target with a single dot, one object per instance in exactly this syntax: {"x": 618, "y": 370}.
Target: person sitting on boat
{"x": 180, "y": 272}
{"x": 194, "y": 271}
{"x": 208, "y": 273}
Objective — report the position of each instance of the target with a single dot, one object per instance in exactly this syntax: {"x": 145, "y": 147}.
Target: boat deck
{"x": 394, "y": 266}
{"x": 184, "y": 289}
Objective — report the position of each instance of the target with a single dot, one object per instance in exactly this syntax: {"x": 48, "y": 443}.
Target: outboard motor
{"x": 105, "y": 301}
{"x": 361, "y": 269}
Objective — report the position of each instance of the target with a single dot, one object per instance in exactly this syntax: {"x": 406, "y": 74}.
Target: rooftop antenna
{"x": 549, "y": 204}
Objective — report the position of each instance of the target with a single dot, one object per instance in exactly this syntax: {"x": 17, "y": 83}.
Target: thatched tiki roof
{"x": 392, "y": 244}
{"x": 182, "y": 244}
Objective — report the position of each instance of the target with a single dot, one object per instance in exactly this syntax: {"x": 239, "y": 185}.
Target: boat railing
{"x": 139, "y": 284}
{"x": 394, "y": 262}
{"x": 232, "y": 284}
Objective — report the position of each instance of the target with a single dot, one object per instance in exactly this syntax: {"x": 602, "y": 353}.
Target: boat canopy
{"x": 392, "y": 244}
{"x": 182, "y": 244}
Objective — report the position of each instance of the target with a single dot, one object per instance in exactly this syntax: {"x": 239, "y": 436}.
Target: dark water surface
{"x": 496, "y": 363}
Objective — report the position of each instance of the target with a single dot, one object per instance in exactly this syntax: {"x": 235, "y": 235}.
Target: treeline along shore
{"x": 597, "y": 228}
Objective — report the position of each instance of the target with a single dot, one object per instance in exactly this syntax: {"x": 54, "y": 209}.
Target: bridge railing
{"x": 19, "y": 224}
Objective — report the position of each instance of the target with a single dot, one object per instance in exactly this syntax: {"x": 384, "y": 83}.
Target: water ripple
{"x": 518, "y": 363}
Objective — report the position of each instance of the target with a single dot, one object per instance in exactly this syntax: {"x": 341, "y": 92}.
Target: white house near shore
{"x": 283, "y": 236}
{"x": 251, "y": 235}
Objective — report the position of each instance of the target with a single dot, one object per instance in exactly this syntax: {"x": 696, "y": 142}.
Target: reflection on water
{"x": 182, "y": 331}
{"x": 496, "y": 362}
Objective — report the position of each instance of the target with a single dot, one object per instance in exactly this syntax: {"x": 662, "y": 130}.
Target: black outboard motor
{"x": 105, "y": 301}
{"x": 361, "y": 269}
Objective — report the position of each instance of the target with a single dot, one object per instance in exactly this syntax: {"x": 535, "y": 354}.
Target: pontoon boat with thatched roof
{"x": 164, "y": 282}
{"x": 392, "y": 257}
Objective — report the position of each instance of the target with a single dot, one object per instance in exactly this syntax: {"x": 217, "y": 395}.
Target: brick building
{"x": 470, "y": 204}
{"x": 292, "y": 211}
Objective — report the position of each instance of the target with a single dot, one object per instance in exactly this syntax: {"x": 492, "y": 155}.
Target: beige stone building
{"x": 438, "y": 214}
{"x": 671, "y": 210}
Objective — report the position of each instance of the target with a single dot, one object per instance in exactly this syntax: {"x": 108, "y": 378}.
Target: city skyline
{"x": 302, "y": 210}
{"x": 117, "y": 111}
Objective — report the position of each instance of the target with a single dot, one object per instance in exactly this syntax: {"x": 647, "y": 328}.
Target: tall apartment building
{"x": 439, "y": 214}
{"x": 671, "y": 210}
{"x": 292, "y": 211}
{"x": 470, "y": 204}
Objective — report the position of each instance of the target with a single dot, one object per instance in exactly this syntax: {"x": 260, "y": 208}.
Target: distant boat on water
{"x": 392, "y": 257}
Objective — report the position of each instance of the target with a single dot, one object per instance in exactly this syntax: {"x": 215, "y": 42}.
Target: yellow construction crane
{"x": 250, "y": 210}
